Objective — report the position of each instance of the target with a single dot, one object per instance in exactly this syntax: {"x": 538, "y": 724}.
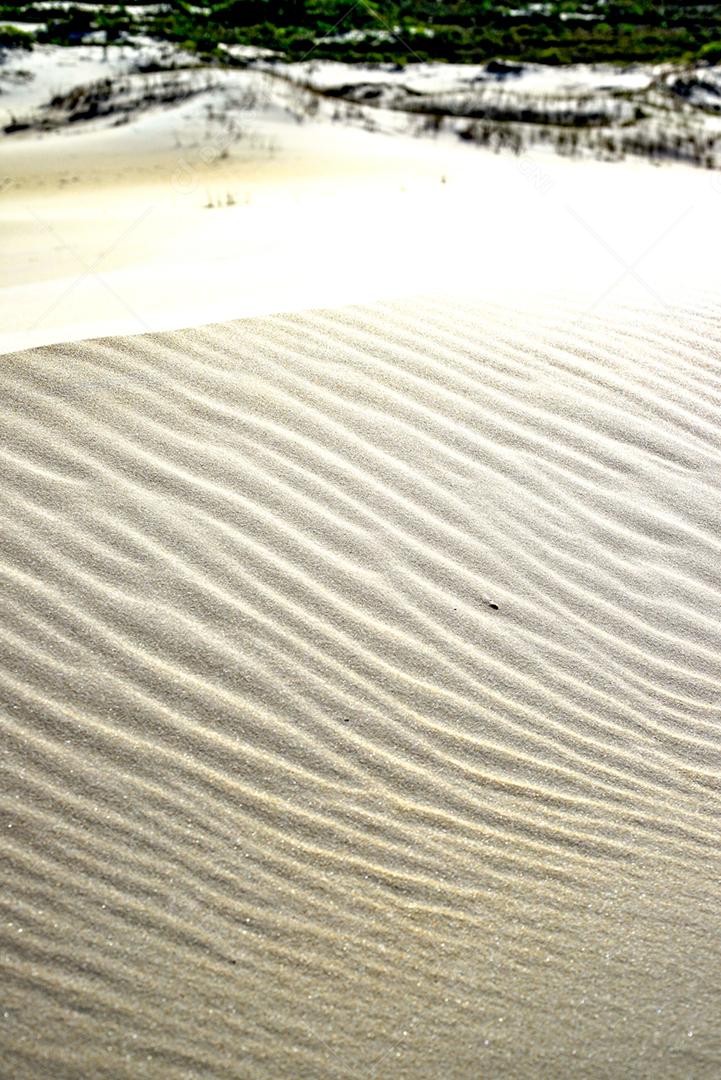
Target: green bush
{"x": 459, "y": 30}
{"x": 12, "y": 38}
{"x": 711, "y": 52}
{"x": 68, "y": 28}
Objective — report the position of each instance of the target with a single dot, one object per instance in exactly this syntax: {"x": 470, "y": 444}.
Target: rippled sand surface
{"x": 362, "y": 677}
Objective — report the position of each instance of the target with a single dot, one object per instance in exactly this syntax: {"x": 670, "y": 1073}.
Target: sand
{"x": 239, "y": 202}
{"x": 359, "y": 652}
{"x": 361, "y": 676}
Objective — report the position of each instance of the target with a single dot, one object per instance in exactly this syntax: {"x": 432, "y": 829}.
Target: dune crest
{"x": 361, "y": 679}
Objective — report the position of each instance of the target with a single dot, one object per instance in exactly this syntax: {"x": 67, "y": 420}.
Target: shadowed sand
{"x": 361, "y": 682}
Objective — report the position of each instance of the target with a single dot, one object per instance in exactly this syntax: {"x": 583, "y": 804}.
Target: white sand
{"x": 106, "y": 229}
{"x": 361, "y": 666}
{"x": 286, "y": 794}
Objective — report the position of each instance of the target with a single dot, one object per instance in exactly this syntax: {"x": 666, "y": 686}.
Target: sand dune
{"x": 361, "y": 682}
{"x": 253, "y": 196}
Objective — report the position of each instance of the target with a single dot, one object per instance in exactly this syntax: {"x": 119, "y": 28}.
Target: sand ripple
{"x": 362, "y": 676}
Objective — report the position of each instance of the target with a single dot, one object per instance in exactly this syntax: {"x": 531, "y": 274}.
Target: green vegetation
{"x": 453, "y": 30}
{"x": 12, "y": 38}
{"x": 402, "y": 30}
{"x": 664, "y": 119}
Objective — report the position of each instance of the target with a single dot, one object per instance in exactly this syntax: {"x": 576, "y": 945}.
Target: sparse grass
{"x": 664, "y": 122}
{"x": 110, "y": 98}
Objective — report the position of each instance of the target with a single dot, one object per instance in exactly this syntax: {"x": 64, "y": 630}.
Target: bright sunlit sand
{"x": 236, "y": 202}
{"x": 361, "y": 636}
